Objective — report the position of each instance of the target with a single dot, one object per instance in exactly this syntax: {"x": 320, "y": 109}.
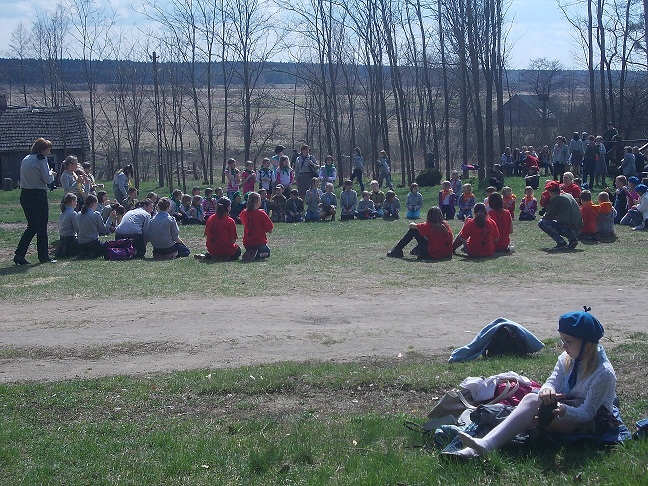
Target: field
{"x": 297, "y": 370}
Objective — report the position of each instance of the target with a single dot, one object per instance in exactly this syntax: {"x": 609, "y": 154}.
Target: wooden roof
{"x": 65, "y": 127}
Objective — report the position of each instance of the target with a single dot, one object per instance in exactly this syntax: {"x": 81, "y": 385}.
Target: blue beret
{"x": 582, "y": 325}
{"x": 634, "y": 179}
{"x": 641, "y": 188}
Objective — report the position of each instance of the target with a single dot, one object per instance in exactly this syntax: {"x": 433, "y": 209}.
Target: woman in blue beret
{"x": 580, "y": 390}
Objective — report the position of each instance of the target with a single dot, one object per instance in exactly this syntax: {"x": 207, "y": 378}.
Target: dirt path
{"x": 62, "y": 340}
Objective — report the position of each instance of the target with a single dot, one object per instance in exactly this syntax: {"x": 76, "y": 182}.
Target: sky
{"x": 538, "y": 28}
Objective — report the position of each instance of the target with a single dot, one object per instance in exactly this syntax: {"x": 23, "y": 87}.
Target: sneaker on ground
{"x": 638, "y": 228}
{"x": 395, "y": 253}
{"x": 559, "y": 246}
{"x": 250, "y": 255}
{"x": 573, "y": 244}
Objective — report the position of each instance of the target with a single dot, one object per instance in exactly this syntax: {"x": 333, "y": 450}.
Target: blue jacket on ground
{"x": 477, "y": 346}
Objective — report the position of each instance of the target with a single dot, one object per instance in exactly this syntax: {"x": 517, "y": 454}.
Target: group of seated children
{"x": 482, "y": 235}
{"x": 319, "y": 206}
{"x": 79, "y": 231}
{"x": 220, "y": 232}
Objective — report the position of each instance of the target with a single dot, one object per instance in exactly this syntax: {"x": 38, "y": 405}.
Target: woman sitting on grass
{"x": 433, "y": 238}
{"x": 577, "y": 398}
{"x": 220, "y": 232}
{"x": 478, "y": 235}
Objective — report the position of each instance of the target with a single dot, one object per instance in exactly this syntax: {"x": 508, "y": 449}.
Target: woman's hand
{"x": 548, "y": 396}
{"x": 560, "y": 410}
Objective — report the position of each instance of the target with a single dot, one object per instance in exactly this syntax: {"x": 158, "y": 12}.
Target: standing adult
{"x": 628, "y": 165}
{"x": 590, "y": 154}
{"x": 575, "y": 153}
{"x": 384, "y": 167}
{"x": 306, "y": 167}
{"x": 563, "y": 217}
{"x": 35, "y": 175}
{"x": 610, "y": 133}
{"x": 121, "y": 182}
{"x": 560, "y": 157}
{"x": 358, "y": 167}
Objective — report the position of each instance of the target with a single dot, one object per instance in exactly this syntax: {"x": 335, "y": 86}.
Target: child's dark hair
{"x": 89, "y": 201}
{"x": 295, "y": 192}
{"x": 209, "y": 191}
{"x": 253, "y": 198}
{"x": 164, "y": 204}
{"x": 100, "y": 196}
{"x": 412, "y": 186}
{"x": 435, "y": 219}
{"x": 390, "y": 195}
{"x": 495, "y": 201}
{"x": 490, "y": 189}
{"x": 586, "y": 196}
{"x": 67, "y": 199}
{"x": 480, "y": 215}
{"x": 222, "y": 206}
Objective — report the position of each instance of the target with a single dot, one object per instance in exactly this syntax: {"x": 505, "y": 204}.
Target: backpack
{"x": 120, "y": 249}
{"x": 507, "y": 341}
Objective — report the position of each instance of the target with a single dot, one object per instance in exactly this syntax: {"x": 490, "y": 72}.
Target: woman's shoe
{"x": 18, "y": 260}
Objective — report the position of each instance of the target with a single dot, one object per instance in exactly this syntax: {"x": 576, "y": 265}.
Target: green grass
{"x": 292, "y": 423}
{"x": 288, "y": 423}
{"x": 335, "y": 257}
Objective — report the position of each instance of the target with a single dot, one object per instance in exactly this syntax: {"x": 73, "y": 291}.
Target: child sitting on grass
{"x": 414, "y": 202}
{"x": 503, "y": 220}
{"x": 391, "y": 207}
{"x": 466, "y": 203}
{"x": 328, "y": 203}
{"x": 433, "y": 238}
{"x": 278, "y": 205}
{"x": 220, "y": 234}
{"x": 294, "y": 208}
{"x": 489, "y": 190}
{"x": 447, "y": 200}
{"x": 348, "y": 201}
{"x": 528, "y": 205}
{"x": 378, "y": 198}
{"x": 589, "y": 213}
{"x": 508, "y": 199}
{"x": 256, "y": 226}
{"x": 237, "y": 206}
{"x": 605, "y": 218}
{"x": 68, "y": 228}
{"x": 478, "y": 235}
{"x": 312, "y": 200}
{"x": 365, "y": 208}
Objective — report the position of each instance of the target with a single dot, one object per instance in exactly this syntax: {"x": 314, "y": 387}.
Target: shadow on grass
{"x": 15, "y": 269}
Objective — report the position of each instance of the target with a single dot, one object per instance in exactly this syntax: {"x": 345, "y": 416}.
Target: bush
{"x": 428, "y": 177}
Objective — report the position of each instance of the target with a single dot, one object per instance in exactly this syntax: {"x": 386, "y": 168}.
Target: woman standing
{"x": 35, "y": 175}
{"x": 121, "y": 182}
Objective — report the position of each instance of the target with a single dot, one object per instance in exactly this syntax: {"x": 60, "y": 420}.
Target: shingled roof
{"x": 65, "y": 127}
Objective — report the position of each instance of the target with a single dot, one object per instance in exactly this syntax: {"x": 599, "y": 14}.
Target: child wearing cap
{"x": 256, "y": 226}
{"x": 579, "y": 393}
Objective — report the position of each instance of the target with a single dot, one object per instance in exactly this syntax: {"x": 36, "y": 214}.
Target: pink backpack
{"x": 120, "y": 249}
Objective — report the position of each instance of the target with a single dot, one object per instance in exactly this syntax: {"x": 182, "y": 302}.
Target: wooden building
{"x": 64, "y": 126}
